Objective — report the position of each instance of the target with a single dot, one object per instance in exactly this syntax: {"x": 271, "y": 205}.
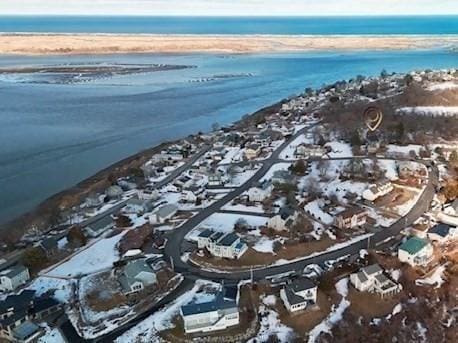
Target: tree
{"x": 312, "y": 187}
{"x": 355, "y": 139}
{"x": 384, "y": 74}
{"x": 76, "y": 237}
{"x": 123, "y": 221}
{"x": 454, "y": 156}
{"x": 323, "y": 166}
{"x": 301, "y": 226}
{"x": 34, "y": 258}
{"x": 451, "y": 190}
{"x": 241, "y": 224}
{"x": 299, "y": 168}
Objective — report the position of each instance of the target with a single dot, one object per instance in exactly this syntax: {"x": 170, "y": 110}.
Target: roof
{"x": 206, "y": 233}
{"x": 372, "y": 269}
{"x": 102, "y": 223}
{"x": 49, "y": 243}
{"x": 440, "y": 229}
{"x": 414, "y": 245}
{"x": 166, "y": 210}
{"x": 361, "y": 277}
{"x": 286, "y": 212}
{"x": 13, "y": 271}
{"x": 301, "y": 284}
{"x": 44, "y": 303}
{"x": 231, "y": 293}
{"x": 293, "y": 298}
{"x": 25, "y": 330}
{"x": 351, "y": 211}
{"x": 132, "y": 269}
{"x": 217, "y": 304}
{"x": 229, "y": 239}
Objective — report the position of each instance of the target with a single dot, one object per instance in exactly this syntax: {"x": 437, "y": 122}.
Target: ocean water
{"x": 55, "y": 135}
{"x": 412, "y": 25}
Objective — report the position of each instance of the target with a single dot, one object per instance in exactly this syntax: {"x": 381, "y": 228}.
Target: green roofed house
{"x": 416, "y": 252}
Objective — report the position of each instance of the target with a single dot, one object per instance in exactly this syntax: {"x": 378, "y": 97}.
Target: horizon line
{"x": 225, "y": 16}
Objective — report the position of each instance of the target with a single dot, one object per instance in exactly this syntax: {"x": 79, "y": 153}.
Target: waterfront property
{"x": 299, "y": 294}
{"x": 373, "y": 279}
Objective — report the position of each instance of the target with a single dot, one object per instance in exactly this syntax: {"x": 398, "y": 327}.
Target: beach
{"x": 59, "y": 44}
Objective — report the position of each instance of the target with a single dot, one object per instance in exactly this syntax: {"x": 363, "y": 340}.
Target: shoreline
{"x": 100, "y": 43}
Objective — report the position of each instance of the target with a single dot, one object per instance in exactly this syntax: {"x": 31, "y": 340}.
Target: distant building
{"x": 283, "y": 220}
{"x": 252, "y": 151}
{"x": 100, "y": 226}
{"x": 114, "y": 192}
{"x": 136, "y": 275}
{"x": 49, "y": 246}
{"x": 13, "y": 277}
{"x": 218, "y": 314}
{"x": 221, "y": 245}
{"x": 416, "y": 252}
{"x": 378, "y": 190}
{"x": 373, "y": 279}
{"x": 283, "y": 176}
{"x": 164, "y": 213}
{"x": 307, "y": 151}
{"x": 442, "y": 233}
{"x": 148, "y": 194}
{"x": 260, "y": 192}
{"x": 299, "y": 294}
{"x": 137, "y": 206}
{"x": 351, "y": 217}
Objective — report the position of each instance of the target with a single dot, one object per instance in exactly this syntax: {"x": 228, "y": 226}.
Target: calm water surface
{"x": 54, "y": 135}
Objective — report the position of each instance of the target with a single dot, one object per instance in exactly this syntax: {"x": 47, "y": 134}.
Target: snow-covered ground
{"x": 443, "y": 86}
{"x": 390, "y": 167}
{"x": 270, "y": 323}
{"x": 336, "y": 314}
{"x": 339, "y": 149}
{"x": 146, "y": 331}
{"x": 435, "y": 111}
{"x": 403, "y": 149}
{"x": 62, "y": 288}
{"x": 288, "y": 152}
{"x": 314, "y": 209}
{"x": 404, "y": 208}
{"x": 52, "y": 336}
{"x": 233, "y": 154}
{"x": 224, "y": 222}
{"x": 97, "y": 257}
{"x": 436, "y": 279}
{"x": 265, "y": 245}
{"x": 275, "y": 167}
{"x": 240, "y": 178}
{"x": 243, "y": 208}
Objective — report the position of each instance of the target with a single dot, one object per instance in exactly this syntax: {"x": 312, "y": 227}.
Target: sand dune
{"x": 107, "y": 44}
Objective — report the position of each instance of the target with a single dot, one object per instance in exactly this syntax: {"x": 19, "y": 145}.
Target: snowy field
{"x": 434, "y": 111}
{"x": 288, "y": 152}
{"x": 224, "y": 222}
{"x": 275, "y": 167}
{"x": 339, "y": 149}
{"x": 99, "y": 256}
{"x": 243, "y": 208}
{"x": 405, "y": 149}
{"x": 62, "y": 288}
{"x": 314, "y": 209}
{"x": 443, "y": 86}
{"x": 390, "y": 167}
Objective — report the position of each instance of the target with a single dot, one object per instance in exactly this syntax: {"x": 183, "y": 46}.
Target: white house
{"x": 260, "y": 193}
{"x": 137, "y": 206}
{"x": 214, "y": 315}
{"x": 135, "y": 276}
{"x": 298, "y": 294}
{"x": 252, "y": 151}
{"x": 188, "y": 197}
{"x": 351, "y": 217}
{"x": 372, "y": 279}
{"x": 148, "y": 194}
{"x": 307, "y": 151}
{"x": 377, "y": 190}
{"x": 221, "y": 245}
{"x": 13, "y": 277}
{"x": 164, "y": 213}
{"x": 283, "y": 220}
{"x": 416, "y": 252}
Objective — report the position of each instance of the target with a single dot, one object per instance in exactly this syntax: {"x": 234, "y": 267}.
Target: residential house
{"x": 94, "y": 200}
{"x": 407, "y": 169}
{"x": 136, "y": 275}
{"x": 351, "y": 218}
{"x": 114, "y": 192}
{"x": 299, "y": 294}
{"x": 137, "y": 206}
{"x": 283, "y": 176}
{"x": 452, "y": 208}
{"x": 216, "y": 179}
{"x": 49, "y": 246}
{"x": 100, "y": 226}
{"x": 221, "y": 245}
{"x": 19, "y": 312}
{"x": 13, "y": 277}
{"x": 373, "y": 279}
{"x": 148, "y": 194}
{"x": 214, "y": 315}
{"x": 252, "y": 151}
{"x": 283, "y": 220}
{"x": 442, "y": 233}
{"x": 188, "y": 197}
{"x": 127, "y": 185}
{"x": 164, "y": 213}
{"x": 377, "y": 190}
{"x": 174, "y": 153}
{"x": 309, "y": 151}
{"x": 416, "y": 252}
{"x": 260, "y": 192}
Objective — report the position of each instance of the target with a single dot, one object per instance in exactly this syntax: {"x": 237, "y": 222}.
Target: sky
{"x": 229, "y": 7}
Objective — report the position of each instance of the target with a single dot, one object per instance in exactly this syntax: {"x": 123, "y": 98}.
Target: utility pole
{"x": 172, "y": 264}
{"x": 251, "y": 276}
{"x": 368, "y": 242}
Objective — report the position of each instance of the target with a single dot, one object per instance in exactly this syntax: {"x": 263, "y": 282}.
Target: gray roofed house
{"x": 372, "y": 279}
{"x": 217, "y": 314}
{"x": 229, "y": 239}
{"x": 136, "y": 275}
{"x": 219, "y": 244}
{"x": 165, "y": 212}
{"x": 373, "y": 269}
{"x": 13, "y": 277}
{"x": 26, "y": 332}
{"x": 442, "y": 232}
{"x": 298, "y": 294}
{"x": 49, "y": 246}
{"x": 100, "y": 226}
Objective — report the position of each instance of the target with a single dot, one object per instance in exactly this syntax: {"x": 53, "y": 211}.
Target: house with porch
{"x": 351, "y": 218}
{"x": 283, "y": 220}
{"x": 13, "y": 277}
{"x": 221, "y": 245}
{"x": 135, "y": 276}
{"x": 299, "y": 294}
{"x": 374, "y": 280}
{"x": 260, "y": 192}
{"x": 416, "y": 252}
